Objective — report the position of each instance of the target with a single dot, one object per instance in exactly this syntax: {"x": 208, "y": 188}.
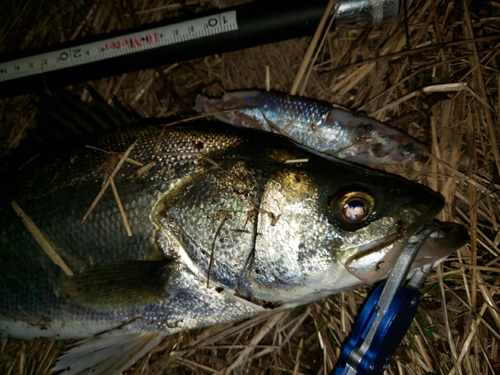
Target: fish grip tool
{"x": 386, "y": 315}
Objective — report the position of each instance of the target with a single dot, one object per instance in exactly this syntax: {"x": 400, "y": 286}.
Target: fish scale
{"x": 273, "y": 228}
{"x": 64, "y": 188}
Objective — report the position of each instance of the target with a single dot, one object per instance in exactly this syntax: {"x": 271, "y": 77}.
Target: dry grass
{"x": 389, "y": 72}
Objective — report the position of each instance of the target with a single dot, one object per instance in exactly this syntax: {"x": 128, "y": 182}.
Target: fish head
{"x": 319, "y": 233}
{"x": 376, "y": 143}
{"x": 278, "y": 234}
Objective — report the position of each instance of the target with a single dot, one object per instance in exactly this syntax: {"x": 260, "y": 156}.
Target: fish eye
{"x": 353, "y": 207}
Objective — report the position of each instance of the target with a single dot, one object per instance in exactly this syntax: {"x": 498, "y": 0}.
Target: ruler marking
{"x": 115, "y": 47}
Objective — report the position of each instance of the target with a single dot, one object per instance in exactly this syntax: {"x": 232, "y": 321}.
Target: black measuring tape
{"x": 180, "y": 39}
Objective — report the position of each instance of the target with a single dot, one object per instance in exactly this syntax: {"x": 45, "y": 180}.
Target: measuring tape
{"x": 119, "y": 46}
{"x": 173, "y": 40}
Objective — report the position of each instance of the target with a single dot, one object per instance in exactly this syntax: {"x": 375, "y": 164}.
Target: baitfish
{"x": 317, "y": 125}
{"x": 226, "y": 224}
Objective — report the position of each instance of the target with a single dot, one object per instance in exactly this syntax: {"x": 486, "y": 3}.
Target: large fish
{"x": 316, "y": 124}
{"x": 226, "y": 223}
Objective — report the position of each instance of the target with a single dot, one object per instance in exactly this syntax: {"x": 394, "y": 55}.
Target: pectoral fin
{"x": 119, "y": 284}
{"x": 108, "y": 354}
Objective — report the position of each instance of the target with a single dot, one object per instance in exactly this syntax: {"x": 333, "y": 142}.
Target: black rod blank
{"x": 258, "y": 23}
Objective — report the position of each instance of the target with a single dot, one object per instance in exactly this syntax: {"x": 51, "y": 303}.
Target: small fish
{"x": 316, "y": 125}
{"x": 223, "y": 229}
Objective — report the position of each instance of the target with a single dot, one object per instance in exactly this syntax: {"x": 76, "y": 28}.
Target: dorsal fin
{"x": 73, "y": 119}
{"x": 64, "y": 122}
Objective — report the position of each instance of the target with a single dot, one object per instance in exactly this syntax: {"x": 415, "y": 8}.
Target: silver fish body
{"x": 216, "y": 201}
{"x": 275, "y": 229}
{"x": 317, "y": 125}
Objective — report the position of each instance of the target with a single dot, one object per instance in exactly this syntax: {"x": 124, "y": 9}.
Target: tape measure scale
{"x": 123, "y": 45}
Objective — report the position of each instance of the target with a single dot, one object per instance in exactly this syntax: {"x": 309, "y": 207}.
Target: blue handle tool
{"x": 386, "y": 315}
{"x": 389, "y": 334}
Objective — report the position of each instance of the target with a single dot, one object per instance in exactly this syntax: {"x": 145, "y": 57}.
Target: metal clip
{"x": 387, "y": 314}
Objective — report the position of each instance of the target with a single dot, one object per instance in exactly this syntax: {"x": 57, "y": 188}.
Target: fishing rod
{"x": 180, "y": 39}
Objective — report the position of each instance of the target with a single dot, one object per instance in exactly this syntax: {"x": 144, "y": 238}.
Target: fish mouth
{"x": 441, "y": 243}
{"x": 374, "y": 260}
{"x": 377, "y": 258}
